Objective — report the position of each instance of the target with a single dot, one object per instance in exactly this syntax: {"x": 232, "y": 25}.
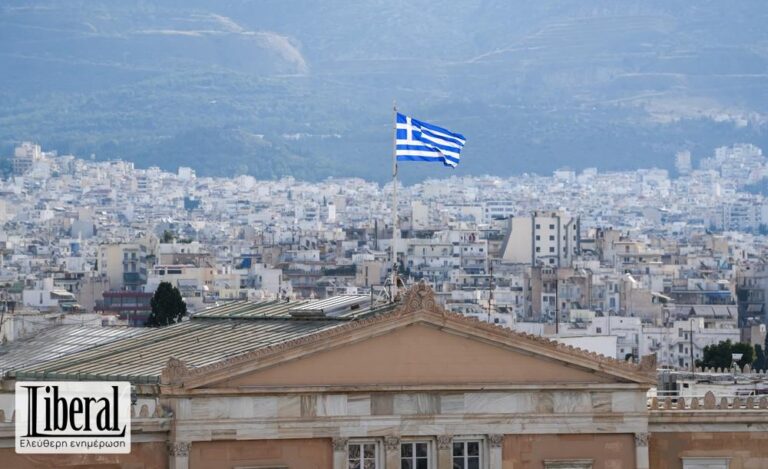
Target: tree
{"x": 765, "y": 353}
{"x": 167, "y": 306}
{"x": 720, "y": 355}
{"x": 747, "y": 351}
{"x": 759, "y": 363}
{"x": 167, "y": 237}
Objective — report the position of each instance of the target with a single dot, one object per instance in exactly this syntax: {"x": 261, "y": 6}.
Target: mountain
{"x": 276, "y": 87}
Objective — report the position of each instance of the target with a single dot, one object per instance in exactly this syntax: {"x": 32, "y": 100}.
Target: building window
{"x": 551, "y": 227}
{"x": 552, "y": 237}
{"x": 362, "y": 455}
{"x": 466, "y": 455}
{"x": 552, "y": 249}
{"x": 538, "y": 226}
{"x": 706, "y": 463}
{"x": 538, "y": 238}
{"x": 414, "y": 455}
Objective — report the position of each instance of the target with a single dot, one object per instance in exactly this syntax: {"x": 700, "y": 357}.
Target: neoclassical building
{"x": 337, "y": 384}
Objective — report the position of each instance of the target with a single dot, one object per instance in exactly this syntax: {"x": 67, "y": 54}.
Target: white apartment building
{"x": 185, "y": 277}
{"x": 743, "y": 214}
{"x": 24, "y": 157}
{"x": 544, "y": 238}
{"x": 676, "y": 344}
{"x": 45, "y": 296}
{"x": 498, "y": 209}
{"x": 683, "y": 162}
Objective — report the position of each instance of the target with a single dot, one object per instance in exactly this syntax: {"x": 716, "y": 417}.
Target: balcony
{"x": 133, "y": 278}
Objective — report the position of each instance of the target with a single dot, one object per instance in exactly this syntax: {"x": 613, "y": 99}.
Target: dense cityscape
{"x": 286, "y": 234}
{"x": 160, "y": 280}
{"x": 618, "y": 263}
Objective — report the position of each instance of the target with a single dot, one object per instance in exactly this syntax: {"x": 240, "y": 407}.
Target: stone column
{"x": 178, "y": 454}
{"x": 642, "y": 460}
{"x": 444, "y": 452}
{"x": 392, "y": 452}
{"x": 494, "y": 451}
{"x": 339, "y": 453}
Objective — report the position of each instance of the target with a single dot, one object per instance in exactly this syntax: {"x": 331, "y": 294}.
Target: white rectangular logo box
{"x": 82, "y": 417}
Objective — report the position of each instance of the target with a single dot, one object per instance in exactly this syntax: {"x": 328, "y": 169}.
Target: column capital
{"x": 495, "y": 440}
{"x": 392, "y": 443}
{"x": 641, "y": 439}
{"x": 444, "y": 441}
{"x": 178, "y": 448}
{"x": 339, "y": 444}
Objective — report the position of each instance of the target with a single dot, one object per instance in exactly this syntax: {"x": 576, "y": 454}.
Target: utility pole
{"x": 693, "y": 365}
{"x": 557, "y": 309}
{"x": 490, "y": 288}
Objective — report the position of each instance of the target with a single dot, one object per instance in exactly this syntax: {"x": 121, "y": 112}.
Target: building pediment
{"x": 417, "y": 345}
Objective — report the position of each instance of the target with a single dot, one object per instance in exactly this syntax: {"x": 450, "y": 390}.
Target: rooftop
{"x": 57, "y": 342}
{"x": 208, "y": 337}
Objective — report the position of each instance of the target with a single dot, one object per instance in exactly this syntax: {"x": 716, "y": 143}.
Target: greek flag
{"x": 420, "y": 141}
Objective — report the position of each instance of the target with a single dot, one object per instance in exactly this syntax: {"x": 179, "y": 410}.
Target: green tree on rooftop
{"x": 167, "y": 306}
{"x": 721, "y": 355}
{"x": 760, "y": 359}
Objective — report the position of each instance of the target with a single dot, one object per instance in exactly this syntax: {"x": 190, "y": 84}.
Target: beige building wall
{"x": 152, "y": 455}
{"x": 419, "y": 215}
{"x": 111, "y": 264}
{"x": 91, "y": 290}
{"x": 744, "y": 450}
{"x": 423, "y": 354}
{"x": 315, "y": 453}
{"x": 370, "y": 273}
{"x": 605, "y": 451}
{"x": 547, "y": 238}
{"x": 519, "y": 245}
{"x": 639, "y": 302}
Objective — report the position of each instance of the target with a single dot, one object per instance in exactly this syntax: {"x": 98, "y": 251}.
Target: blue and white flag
{"x": 420, "y": 141}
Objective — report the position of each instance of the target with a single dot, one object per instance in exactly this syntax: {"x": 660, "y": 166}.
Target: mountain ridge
{"x": 275, "y": 88}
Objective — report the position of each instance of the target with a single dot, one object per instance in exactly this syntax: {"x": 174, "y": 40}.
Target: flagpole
{"x": 394, "y": 203}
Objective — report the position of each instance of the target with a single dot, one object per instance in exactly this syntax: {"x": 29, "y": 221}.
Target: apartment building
{"x": 544, "y": 238}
